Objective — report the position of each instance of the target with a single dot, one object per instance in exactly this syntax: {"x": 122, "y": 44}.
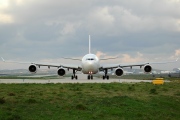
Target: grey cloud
{"x": 53, "y": 29}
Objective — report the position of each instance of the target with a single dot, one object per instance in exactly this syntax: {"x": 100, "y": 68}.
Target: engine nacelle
{"x": 147, "y": 68}
{"x": 61, "y": 72}
{"x": 119, "y": 71}
{"x": 33, "y": 68}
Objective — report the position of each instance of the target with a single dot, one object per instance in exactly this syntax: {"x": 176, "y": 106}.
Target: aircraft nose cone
{"x": 90, "y": 66}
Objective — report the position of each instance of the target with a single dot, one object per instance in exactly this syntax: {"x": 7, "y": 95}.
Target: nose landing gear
{"x": 90, "y": 77}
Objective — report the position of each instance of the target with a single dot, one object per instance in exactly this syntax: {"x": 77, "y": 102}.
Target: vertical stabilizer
{"x": 89, "y": 44}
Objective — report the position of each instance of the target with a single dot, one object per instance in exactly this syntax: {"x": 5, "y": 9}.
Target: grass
{"x": 100, "y": 101}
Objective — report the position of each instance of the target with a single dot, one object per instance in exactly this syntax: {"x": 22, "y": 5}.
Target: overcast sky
{"x": 46, "y": 30}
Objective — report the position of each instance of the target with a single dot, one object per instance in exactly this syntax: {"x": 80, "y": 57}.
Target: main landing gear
{"x": 90, "y": 77}
{"x": 105, "y": 76}
{"x": 74, "y": 76}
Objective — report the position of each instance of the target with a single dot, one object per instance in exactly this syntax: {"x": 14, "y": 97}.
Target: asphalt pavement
{"x": 81, "y": 79}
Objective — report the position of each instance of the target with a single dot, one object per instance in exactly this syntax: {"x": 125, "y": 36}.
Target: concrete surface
{"x": 81, "y": 79}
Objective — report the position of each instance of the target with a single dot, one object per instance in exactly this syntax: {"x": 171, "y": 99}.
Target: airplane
{"x": 90, "y": 65}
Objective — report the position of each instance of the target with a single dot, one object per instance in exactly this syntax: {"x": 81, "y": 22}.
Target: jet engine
{"x": 61, "y": 72}
{"x": 119, "y": 71}
{"x": 33, "y": 68}
{"x": 147, "y": 68}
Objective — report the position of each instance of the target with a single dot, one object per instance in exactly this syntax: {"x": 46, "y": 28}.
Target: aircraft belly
{"x": 90, "y": 69}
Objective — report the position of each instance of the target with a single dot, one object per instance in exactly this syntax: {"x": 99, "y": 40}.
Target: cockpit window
{"x": 90, "y": 59}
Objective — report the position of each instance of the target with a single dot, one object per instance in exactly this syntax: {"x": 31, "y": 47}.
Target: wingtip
{"x": 177, "y": 59}
{"x": 3, "y": 59}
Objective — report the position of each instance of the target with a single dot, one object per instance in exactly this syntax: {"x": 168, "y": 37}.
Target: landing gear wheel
{"x": 91, "y": 77}
{"x": 76, "y": 77}
{"x": 88, "y": 77}
{"x": 105, "y": 76}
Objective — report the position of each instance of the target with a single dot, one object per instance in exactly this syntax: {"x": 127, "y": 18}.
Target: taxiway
{"x": 82, "y": 79}
{"x": 68, "y": 80}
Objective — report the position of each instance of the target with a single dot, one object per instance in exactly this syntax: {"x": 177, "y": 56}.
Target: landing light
{"x": 90, "y": 72}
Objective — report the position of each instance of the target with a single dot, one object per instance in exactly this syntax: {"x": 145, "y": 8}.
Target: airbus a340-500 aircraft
{"x": 90, "y": 64}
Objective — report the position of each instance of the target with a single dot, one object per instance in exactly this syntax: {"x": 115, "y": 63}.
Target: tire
{"x": 88, "y": 77}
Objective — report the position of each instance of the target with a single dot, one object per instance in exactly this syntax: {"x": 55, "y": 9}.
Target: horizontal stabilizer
{"x": 72, "y": 58}
{"x": 109, "y": 58}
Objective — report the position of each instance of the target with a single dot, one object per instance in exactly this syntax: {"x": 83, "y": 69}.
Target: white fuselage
{"x": 90, "y": 64}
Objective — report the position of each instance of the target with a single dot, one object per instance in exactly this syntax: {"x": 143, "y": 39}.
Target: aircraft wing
{"x": 68, "y": 66}
{"x": 110, "y": 66}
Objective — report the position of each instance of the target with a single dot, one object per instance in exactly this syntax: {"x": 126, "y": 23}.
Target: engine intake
{"x": 61, "y": 72}
{"x": 119, "y": 71}
{"x": 147, "y": 68}
{"x": 32, "y": 68}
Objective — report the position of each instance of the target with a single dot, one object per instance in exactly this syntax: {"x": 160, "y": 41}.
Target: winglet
{"x": 2, "y": 59}
{"x": 177, "y": 59}
{"x": 89, "y": 44}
